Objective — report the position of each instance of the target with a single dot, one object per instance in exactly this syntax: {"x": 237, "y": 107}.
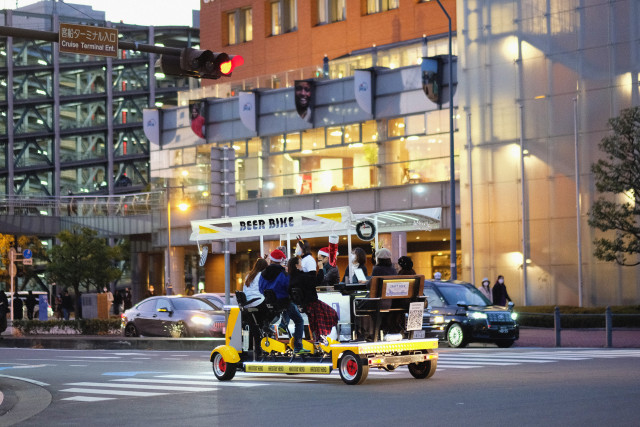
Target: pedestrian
{"x": 4, "y": 309}
{"x": 151, "y": 292}
{"x": 17, "y": 306}
{"x": 126, "y": 299}
{"x": 117, "y": 302}
{"x": 485, "y": 289}
{"x": 406, "y": 266}
{"x": 358, "y": 260}
{"x": 109, "y": 299}
{"x": 500, "y": 295}
{"x": 67, "y": 305}
{"x": 31, "y": 303}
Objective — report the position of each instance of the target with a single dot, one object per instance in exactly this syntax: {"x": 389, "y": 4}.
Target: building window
{"x": 284, "y": 16}
{"x": 240, "y": 26}
{"x": 376, "y": 6}
{"x": 331, "y": 11}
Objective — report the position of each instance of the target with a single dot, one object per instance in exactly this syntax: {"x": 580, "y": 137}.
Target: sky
{"x": 138, "y": 12}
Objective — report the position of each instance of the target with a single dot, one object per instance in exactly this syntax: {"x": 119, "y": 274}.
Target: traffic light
{"x": 198, "y": 63}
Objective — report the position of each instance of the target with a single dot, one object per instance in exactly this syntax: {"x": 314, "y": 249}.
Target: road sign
{"x": 88, "y": 40}
{"x": 27, "y": 261}
{"x": 27, "y": 253}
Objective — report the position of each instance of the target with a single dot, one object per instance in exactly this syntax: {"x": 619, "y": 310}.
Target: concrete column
{"x": 177, "y": 269}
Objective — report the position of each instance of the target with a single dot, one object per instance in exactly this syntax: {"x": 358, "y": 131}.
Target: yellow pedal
{"x": 270, "y": 345}
{"x": 307, "y": 345}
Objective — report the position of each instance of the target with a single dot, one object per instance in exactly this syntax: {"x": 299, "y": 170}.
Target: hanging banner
{"x": 363, "y": 86}
{"x": 248, "y": 111}
{"x": 151, "y": 124}
{"x": 304, "y": 99}
{"x": 432, "y": 79}
{"x": 197, "y": 114}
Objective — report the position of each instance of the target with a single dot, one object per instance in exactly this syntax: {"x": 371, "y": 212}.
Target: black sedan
{"x": 460, "y": 314}
{"x": 173, "y": 316}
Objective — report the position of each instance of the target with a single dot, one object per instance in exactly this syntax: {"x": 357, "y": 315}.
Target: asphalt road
{"x": 476, "y": 386}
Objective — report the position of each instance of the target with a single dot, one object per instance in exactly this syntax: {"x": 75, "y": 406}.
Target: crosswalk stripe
{"x": 491, "y": 359}
{"x": 192, "y": 382}
{"x": 143, "y": 386}
{"x": 88, "y": 398}
{"x": 114, "y": 392}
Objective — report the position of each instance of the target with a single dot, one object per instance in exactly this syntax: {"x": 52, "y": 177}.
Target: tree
{"x": 83, "y": 260}
{"x": 619, "y": 175}
{"x": 7, "y": 241}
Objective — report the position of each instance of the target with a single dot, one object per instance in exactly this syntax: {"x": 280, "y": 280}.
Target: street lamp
{"x": 183, "y": 206}
{"x": 452, "y": 175}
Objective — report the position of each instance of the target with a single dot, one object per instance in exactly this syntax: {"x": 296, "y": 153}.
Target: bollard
{"x": 609, "y": 326}
{"x": 556, "y": 325}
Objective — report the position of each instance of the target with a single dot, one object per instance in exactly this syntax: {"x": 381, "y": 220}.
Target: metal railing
{"x": 557, "y": 322}
{"x": 84, "y": 205}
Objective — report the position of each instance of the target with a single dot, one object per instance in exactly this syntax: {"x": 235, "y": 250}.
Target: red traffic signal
{"x": 200, "y": 64}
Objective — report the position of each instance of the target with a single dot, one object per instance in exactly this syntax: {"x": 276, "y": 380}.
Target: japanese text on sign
{"x": 88, "y": 40}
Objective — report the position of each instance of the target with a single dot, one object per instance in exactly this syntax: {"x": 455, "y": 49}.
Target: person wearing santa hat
{"x": 274, "y": 277}
{"x": 328, "y": 272}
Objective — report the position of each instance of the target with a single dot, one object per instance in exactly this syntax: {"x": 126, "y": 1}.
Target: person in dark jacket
{"x": 4, "y": 309}
{"x": 31, "y": 303}
{"x": 383, "y": 265}
{"x": 17, "y": 306}
{"x": 329, "y": 274}
{"x": 322, "y": 317}
{"x": 127, "y": 299}
{"x": 406, "y": 266}
{"x": 274, "y": 278}
{"x": 500, "y": 294}
{"x": 67, "y": 305}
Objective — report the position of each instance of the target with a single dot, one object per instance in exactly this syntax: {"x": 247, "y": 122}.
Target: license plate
{"x": 418, "y": 334}
{"x": 504, "y": 330}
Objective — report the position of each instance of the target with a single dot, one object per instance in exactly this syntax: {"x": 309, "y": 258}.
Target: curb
{"x": 111, "y": 343}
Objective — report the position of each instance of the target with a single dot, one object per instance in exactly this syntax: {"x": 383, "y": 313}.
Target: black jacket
{"x": 306, "y": 282}
{"x": 328, "y": 276}
{"x": 354, "y": 278}
{"x": 500, "y": 295}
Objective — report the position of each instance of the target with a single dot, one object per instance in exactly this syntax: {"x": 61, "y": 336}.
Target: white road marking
{"x": 88, "y": 398}
{"x": 29, "y": 380}
{"x": 142, "y": 386}
{"x": 113, "y": 392}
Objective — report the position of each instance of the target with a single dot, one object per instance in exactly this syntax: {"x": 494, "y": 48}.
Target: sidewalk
{"x": 529, "y": 337}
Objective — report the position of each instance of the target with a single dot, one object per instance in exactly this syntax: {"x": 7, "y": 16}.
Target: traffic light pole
{"x": 53, "y": 36}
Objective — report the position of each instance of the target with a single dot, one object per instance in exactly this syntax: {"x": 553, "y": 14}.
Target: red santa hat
{"x": 277, "y": 256}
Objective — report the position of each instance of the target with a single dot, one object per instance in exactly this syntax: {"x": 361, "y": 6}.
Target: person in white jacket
{"x": 251, "y": 284}
{"x": 485, "y": 289}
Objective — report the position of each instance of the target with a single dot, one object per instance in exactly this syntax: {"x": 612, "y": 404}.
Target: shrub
{"x": 579, "y": 317}
{"x": 68, "y": 327}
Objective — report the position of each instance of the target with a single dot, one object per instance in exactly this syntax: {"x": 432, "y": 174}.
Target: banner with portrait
{"x": 304, "y": 99}
{"x": 197, "y": 114}
{"x": 432, "y": 79}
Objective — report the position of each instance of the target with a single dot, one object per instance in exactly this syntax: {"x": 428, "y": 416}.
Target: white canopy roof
{"x": 313, "y": 223}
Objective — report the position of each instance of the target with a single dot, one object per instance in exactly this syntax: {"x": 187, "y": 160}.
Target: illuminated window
{"x": 284, "y": 17}
{"x": 240, "y": 26}
{"x": 331, "y": 11}
{"x": 375, "y": 6}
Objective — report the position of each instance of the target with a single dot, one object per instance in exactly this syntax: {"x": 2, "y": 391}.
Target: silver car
{"x": 173, "y": 316}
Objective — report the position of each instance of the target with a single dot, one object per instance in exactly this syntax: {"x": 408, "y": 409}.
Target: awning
{"x": 313, "y": 223}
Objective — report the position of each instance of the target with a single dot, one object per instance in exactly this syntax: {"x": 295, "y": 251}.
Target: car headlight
{"x": 201, "y": 320}
{"x": 514, "y": 316}
{"x": 477, "y": 315}
{"x": 438, "y": 319}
